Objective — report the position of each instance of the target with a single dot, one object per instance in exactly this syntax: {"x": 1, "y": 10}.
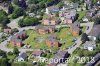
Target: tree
{"x": 4, "y": 62}
{"x": 57, "y": 14}
{"x": 32, "y": 1}
{"x": 18, "y": 12}
{"x": 15, "y": 51}
{"x": 23, "y": 64}
{"x": 22, "y": 4}
{"x": 2, "y": 53}
{"x": 97, "y": 20}
{"x": 16, "y": 2}
{"x": 4, "y": 18}
{"x": 28, "y": 21}
{"x": 60, "y": 4}
{"x": 10, "y": 9}
{"x": 84, "y": 37}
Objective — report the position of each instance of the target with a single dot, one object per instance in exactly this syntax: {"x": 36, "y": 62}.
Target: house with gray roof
{"x": 52, "y": 41}
{"x": 90, "y": 45}
{"x": 16, "y": 40}
{"x": 60, "y": 56}
{"x": 94, "y": 60}
{"x": 95, "y": 32}
{"x": 21, "y": 57}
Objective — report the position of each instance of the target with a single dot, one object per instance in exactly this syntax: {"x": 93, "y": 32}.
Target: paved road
{"x": 14, "y": 23}
{"x": 78, "y": 42}
{"x": 4, "y": 48}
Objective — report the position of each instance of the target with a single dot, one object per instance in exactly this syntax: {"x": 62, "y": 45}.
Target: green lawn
{"x": 31, "y": 40}
{"x": 64, "y": 35}
{"x": 81, "y": 14}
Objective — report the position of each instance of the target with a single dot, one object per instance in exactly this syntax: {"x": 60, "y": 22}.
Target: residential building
{"x": 75, "y": 29}
{"x": 21, "y": 57}
{"x": 68, "y": 17}
{"x": 51, "y": 21}
{"x": 95, "y": 32}
{"x": 52, "y": 41}
{"x": 93, "y": 61}
{"x": 90, "y": 45}
{"x": 61, "y": 55}
{"x": 45, "y": 29}
{"x": 88, "y": 4}
{"x": 7, "y": 30}
{"x": 51, "y": 9}
{"x": 37, "y": 53}
{"x": 16, "y": 40}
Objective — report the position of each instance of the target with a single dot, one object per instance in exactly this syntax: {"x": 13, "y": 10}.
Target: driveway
{"x": 14, "y": 23}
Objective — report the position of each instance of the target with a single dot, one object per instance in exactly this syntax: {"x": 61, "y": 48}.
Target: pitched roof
{"x": 53, "y": 8}
{"x": 44, "y": 27}
{"x": 61, "y": 54}
{"x": 22, "y": 55}
{"x": 90, "y": 44}
{"x": 94, "y": 60}
{"x": 75, "y": 26}
{"x": 95, "y": 31}
{"x": 37, "y": 52}
{"x": 15, "y": 39}
{"x": 53, "y": 38}
{"x": 41, "y": 27}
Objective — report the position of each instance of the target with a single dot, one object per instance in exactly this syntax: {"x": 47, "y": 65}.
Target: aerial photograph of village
{"x": 49, "y": 32}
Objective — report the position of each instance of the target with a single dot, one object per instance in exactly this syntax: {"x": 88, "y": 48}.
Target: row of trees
{"x": 28, "y": 21}
{"x": 4, "y": 61}
{"x": 36, "y": 5}
{"x": 4, "y": 18}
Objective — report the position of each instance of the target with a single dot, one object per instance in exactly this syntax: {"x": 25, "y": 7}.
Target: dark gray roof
{"x": 20, "y": 33}
{"x": 94, "y": 61}
{"x": 22, "y": 55}
{"x": 52, "y": 38}
{"x": 95, "y": 31}
{"x": 41, "y": 27}
{"x": 61, "y": 54}
{"x": 15, "y": 38}
{"x": 75, "y": 26}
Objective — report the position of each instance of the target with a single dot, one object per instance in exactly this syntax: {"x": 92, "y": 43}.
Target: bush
{"x": 18, "y": 12}
{"x": 28, "y": 21}
{"x": 10, "y": 53}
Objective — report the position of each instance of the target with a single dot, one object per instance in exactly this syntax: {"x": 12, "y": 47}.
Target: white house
{"x": 21, "y": 57}
{"x": 89, "y": 45}
{"x": 47, "y": 11}
{"x": 51, "y": 9}
{"x": 85, "y": 19}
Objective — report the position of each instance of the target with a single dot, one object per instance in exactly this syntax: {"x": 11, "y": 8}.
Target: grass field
{"x": 31, "y": 40}
{"x": 64, "y": 35}
{"x": 81, "y": 14}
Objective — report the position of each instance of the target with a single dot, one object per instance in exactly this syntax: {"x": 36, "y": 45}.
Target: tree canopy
{"x": 84, "y": 37}
{"x": 28, "y": 21}
{"x": 18, "y": 12}
{"x": 15, "y": 51}
{"x": 3, "y": 18}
